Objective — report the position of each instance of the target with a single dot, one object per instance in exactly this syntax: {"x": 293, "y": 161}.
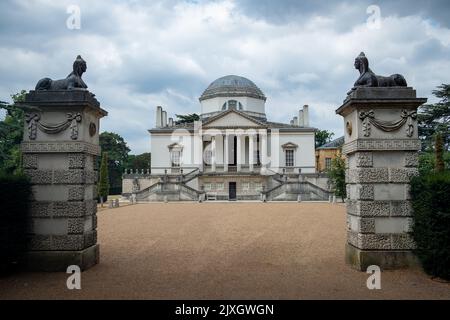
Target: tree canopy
{"x": 322, "y": 137}
{"x": 434, "y": 118}
{"x": 11, "y": 134}
{"x": 187, "y": 118}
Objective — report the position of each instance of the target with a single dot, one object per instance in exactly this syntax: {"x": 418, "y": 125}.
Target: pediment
{"x": 289, "y": 145}
{"x": 232, "y": 118}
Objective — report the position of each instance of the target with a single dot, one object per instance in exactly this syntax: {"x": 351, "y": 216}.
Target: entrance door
{"x": 232, "y": 191}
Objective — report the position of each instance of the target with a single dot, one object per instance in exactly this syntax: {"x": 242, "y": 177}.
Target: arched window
{"x": 232, "y": 104}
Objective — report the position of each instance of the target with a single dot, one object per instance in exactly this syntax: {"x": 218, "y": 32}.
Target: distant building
{"x": 327, "y": 152}
{"x": 232, "y": 153}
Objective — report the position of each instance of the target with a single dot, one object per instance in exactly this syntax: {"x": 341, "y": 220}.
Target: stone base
{"x": 389, "y": 259}
{"x": 58, "y": 261}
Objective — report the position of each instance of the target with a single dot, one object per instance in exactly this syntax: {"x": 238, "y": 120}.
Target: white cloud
{"x": 144, "y": 54}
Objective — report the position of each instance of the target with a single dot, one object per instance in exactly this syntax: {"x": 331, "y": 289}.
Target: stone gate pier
{"x": 60, "y": 150}
{"x": 381, "y": 146}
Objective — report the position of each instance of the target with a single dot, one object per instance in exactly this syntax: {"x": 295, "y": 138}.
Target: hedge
{"x": 431, "y": 204}
{"x": 16, "y": 194}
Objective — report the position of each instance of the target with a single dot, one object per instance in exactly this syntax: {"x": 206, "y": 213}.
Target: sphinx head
{"x": 79, "y": 66}
{"x": 362, "y": 63}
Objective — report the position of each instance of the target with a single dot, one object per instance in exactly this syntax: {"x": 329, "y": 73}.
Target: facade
{"x": 232, "y": 153}
{"x": 326, "y": 153}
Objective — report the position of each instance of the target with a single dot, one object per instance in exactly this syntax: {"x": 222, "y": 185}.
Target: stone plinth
{"x": 60, "y": 150}
{"x": 381, "y": 147}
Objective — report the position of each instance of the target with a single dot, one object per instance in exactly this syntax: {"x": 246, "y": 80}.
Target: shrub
{"x": 16, "y": 195}
{"x": 431, "y": 204}
{"x": 337, "y": 176}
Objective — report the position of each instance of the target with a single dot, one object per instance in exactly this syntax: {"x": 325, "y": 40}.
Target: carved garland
{"x": 33, "y": 120}
{"x": 368, "y": 119}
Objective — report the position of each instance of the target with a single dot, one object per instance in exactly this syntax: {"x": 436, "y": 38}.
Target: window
{"x": 328, "y": 163}
{"x": 207, "y": 186}
{"x": 245, "y": 186}
{"x": 289, "y": 158}
{"x": 258, "y": 186}
{"x": 220, "y": 186}
{"x": 175, "y": 158}
{"x": 232, "y": 104}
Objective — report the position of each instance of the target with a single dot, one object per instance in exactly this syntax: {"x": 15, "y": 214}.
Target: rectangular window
{"x": 245, "y": 186}
{"x": 328, "y": 163}
{"x": 289, "y": 158}
{"x": 176, "y": 156}
{"x": 258, "y": 186}
{"x": 207, "y": 186}
{"x": 220, "y": 186}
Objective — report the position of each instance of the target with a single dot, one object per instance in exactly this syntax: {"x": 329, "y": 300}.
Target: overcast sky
{"x": 141, "y": 54}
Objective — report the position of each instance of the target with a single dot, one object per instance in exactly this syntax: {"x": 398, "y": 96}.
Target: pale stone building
{"x": 232, "y": 153}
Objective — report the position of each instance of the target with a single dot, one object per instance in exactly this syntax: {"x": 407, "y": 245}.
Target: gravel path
{"x": 223, "y": 251}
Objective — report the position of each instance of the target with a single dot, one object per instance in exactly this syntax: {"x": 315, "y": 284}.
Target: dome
{"x": 232, "y": 86}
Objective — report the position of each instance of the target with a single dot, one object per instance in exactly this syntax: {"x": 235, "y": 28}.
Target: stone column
{"x": 60, "y": 150}
{"x": 225, "y": 153}
{"x": 213, "y": 153}
{"x": 238, "y": 152}
{"x": 381, "y": 147}
{"x": 250, "y": 152}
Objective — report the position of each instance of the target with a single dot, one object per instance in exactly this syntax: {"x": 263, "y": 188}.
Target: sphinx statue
{"x": 368, "y": 78}
{"x": 72, "y": 81}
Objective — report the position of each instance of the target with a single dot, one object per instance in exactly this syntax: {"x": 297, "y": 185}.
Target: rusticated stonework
{"x": 77, "y": 160}
{"x": 392, "y": 208}
{"x": 365, "y": 191}
{"x": 411, "y": 159}
{"x": 367, "y": 175}
{"x": 72, "y": 209}
{"x": 386, "y": 241}
{"x": 364, "y": 159}
{"x": 30, "y": 161}
{"x": 76, "y": 193}
{"x": 402, "y": 175}
{"x": 72, "y": 176}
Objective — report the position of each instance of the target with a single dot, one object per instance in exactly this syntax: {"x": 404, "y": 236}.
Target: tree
{"x": 141, "y": 161}
{"x": 322, "y": 137}
{"x": 118, "y": 151}
{"x": 436, "y": 118}
{"x": 116, "y": 147}
{"x": 187, "y": 118}
{"x": 439, "y": 153}
{"x": 103, "y": 184}
{"x": 337, "y": 176}
{"x": 11, "y": 134}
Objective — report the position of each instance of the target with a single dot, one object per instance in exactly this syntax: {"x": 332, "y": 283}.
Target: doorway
{"x": 232, "y": 191}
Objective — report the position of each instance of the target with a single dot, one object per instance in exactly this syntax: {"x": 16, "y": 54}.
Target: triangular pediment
{"x": 289, "y": 145}
{"x": 232, "y": 118}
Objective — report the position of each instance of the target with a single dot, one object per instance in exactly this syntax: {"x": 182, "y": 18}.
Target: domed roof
{"x": 232, "y": 86}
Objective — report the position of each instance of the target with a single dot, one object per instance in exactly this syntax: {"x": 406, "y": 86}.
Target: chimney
{"x": 158, "y": 116}
{"x": 295, "y": 121}
{"x": 301, "y": 122}
{"x": 164, "y": 119}
{"x": 170, "y": 122}
{"x": 306, "y": 115}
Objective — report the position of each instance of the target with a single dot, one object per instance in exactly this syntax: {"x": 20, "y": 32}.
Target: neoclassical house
{"x": 233, "y": 152}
